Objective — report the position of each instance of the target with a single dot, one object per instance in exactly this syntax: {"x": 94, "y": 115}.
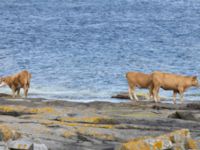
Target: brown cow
{"x": 140, "y": 80}
{"x": 176, "y": 83}
{"x": 17, "y": 81}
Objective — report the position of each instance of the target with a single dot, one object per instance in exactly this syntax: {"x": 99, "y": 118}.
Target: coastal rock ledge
{"x": 177, "y": 140}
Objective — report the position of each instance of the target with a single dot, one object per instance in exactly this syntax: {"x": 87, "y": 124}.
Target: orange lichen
{"x": 158, "y": 145}
{"x": 10, "y": 108}
{"x": 41, "y": 110}
{"x": 26, "y": 109}
{"x": 179, "y": 133}
{"x": 192, "y": 144}
{"x": 135, "y": 145}
{"x": 7, "y": 133}
{"x": 68, "y": 134}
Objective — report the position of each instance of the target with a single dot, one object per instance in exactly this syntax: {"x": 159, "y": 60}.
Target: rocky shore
{"x": 62, "y": 125}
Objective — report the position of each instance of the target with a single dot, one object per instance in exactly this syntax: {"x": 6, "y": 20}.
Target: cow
{"x": 176, "y": 83}
{"x": 139, "y": 80}
{"x": 17, "y": 81}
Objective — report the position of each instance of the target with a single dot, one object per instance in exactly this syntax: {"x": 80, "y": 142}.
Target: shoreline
{"x": 95, "y": 125}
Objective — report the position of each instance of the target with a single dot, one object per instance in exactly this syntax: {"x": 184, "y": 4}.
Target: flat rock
{"x": 124, "y": 95}
{"x": 37, "y": 146}
{"x": 24, "y": 144}
{"x": 185, "y": 115}
{"x": 194, "y": 106}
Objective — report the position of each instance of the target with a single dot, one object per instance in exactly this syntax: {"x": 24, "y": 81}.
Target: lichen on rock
{"x": 6, "y": 133}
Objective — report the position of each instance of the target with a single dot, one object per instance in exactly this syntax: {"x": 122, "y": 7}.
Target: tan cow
{"x": 176, "y": 83}
{"x": 17, "y": 81}
{"x": 140, "y": 80}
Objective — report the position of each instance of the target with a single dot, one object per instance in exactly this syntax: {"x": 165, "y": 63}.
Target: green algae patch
{"x": 96, "y": 135}
{"x": 92, "y": 120}
{"x": 26, "y": 110}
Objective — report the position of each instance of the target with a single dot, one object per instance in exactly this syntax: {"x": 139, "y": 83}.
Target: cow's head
{"x": 2, "y": 82}
{"x": 195, "y": 81}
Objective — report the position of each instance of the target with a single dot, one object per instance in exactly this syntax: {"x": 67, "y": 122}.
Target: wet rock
{"x": 185, "y": 115}
{"x": 124, "y": 95}
{"x": 5, "y": 95}
{"x": 14, "y": 113}
{"x": 121, "y": 96}
{"x": 168, "y": 106}
{"x": 71, "y": 114}
{"x": 194, "y": 106}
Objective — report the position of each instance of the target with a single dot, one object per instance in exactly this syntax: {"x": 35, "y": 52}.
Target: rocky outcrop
{"x": 61, "y": 125}
{"x": 177, "y": 140}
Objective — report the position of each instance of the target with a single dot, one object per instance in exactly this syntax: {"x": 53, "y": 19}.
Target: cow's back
{"x": 138, "y": 79}
{"x": 167, "y": 81}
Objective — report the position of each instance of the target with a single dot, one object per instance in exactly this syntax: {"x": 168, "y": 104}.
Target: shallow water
{"x": 82, "y": 49}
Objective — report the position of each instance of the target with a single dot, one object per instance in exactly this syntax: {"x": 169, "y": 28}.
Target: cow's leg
{"x": 130, "y": 93}
{"x": 155, "y": 93}
{"x": 150, "y": 92}
{"x": 25, "y": 91}
{"x": 181, "y": 91}
{"x": 174, "y": 96}
{"x": 181, "y": 97}
{"x": 13, "y": 92}
{"x": 134, "y": 94}
{"x": 18, "y": 92}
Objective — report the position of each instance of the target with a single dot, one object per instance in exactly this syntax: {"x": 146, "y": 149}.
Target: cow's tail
{"x": 29, "y": 79}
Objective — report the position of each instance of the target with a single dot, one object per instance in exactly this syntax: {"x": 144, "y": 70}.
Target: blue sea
{"x": 80, "y": 50}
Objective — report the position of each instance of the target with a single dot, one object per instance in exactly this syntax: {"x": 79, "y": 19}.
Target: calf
{"x": 17, "y": 81}
{"x": 176, "y": 83}
{"x": 140, "y": 80}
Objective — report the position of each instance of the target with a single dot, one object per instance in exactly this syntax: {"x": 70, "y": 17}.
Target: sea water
{"x": 80, "y": 50}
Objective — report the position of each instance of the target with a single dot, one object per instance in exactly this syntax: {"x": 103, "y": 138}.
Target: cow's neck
{"x": 187, "y": 84}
